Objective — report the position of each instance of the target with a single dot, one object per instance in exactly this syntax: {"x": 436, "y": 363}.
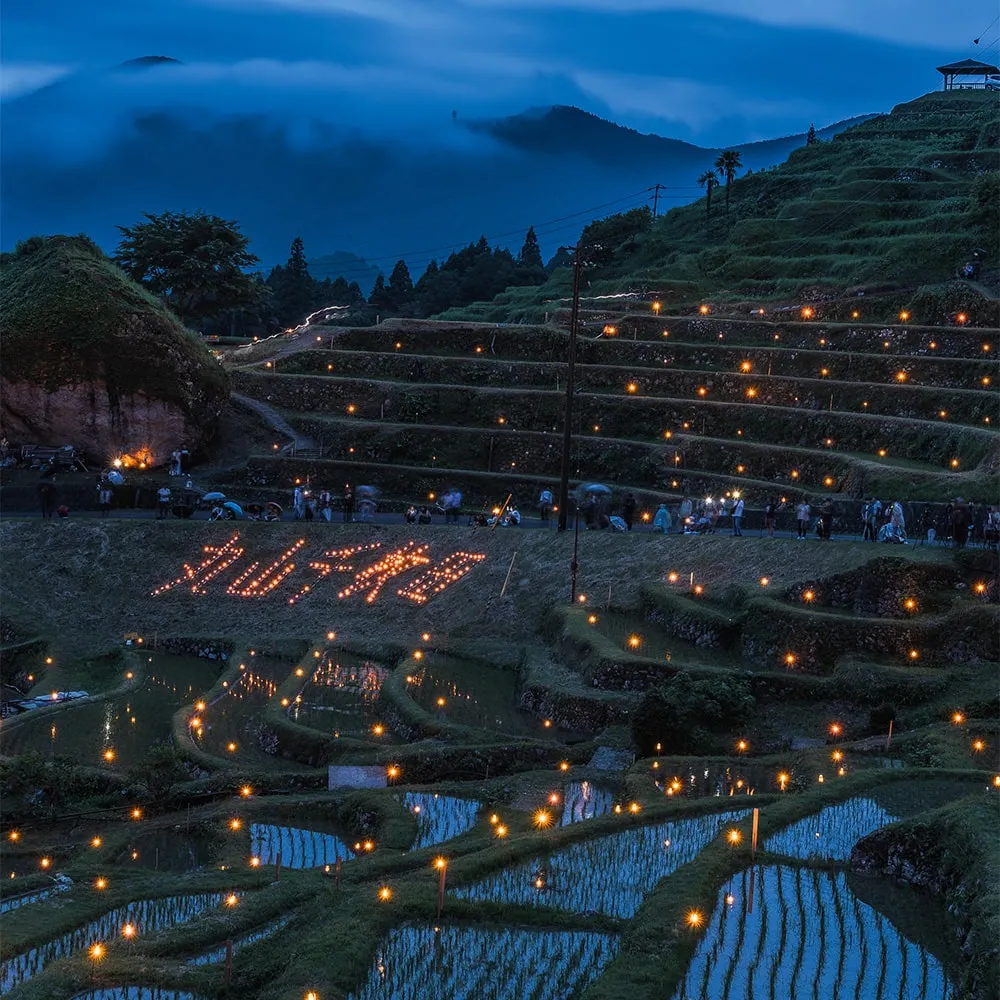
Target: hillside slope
{"x": 898, "y": 201}
{"x": 91, "y": 359}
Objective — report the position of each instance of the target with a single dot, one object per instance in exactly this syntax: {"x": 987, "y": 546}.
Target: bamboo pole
{"x": 510, "y": 569}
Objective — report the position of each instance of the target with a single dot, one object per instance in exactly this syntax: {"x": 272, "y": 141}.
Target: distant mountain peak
{"x": 145, "y": 62}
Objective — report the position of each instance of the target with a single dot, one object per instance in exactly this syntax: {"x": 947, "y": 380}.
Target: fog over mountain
{"x": 323, "y": 153}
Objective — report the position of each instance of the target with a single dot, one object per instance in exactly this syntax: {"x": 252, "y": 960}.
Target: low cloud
{"x": 23, "y": 78}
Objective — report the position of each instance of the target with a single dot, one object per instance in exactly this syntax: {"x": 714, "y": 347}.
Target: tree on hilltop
{"x": 295, "y": 289}
{"x": 726, "y": 165}
{"x": 709, "y": 181}
{"x": 400, "y": 285}
{"x": 811, "y": 137}
{"x": 531, "y": 254}
{"x": 195, "y": 262}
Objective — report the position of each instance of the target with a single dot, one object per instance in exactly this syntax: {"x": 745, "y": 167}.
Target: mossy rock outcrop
{"x": 91, "y": 359}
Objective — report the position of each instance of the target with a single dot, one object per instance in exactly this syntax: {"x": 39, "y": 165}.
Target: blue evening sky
{"x": 717, "y": 74}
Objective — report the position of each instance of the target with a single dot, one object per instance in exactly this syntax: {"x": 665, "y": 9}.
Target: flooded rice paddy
{"x": 234, "y": 727}
{"x": 469, "y": 693}
{"x": 116, "y": 732}
{"x": 341, "y": 696}
{"x": 296, "y": 846}
{"x": 439, "y": 817}
{"x": 610, "y": 875}
{"x": 168, "y": 850}
{"x": 808, "y": 936}
{"x": 251, "y": 937}
{"x": 461, "y": 963}
{"x": 832, "y": 833}
{"x": 585, "y": 800}
{"x": 148, "y": 916}
{"x": 135, "y": 993}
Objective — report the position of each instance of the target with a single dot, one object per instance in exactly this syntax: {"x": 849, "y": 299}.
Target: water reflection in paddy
{"x": 234, "y": 726}
{"x": 462, "y": 963}
{"x": 124, "y": 726}
{"x": 808, "y": 936}
{"x": 168, "y": 850}
{"x": 473, "y": 694}
{"x": 585, "y": 800}
{"x": 439, "y": 817}
{"x": 610, "y": 874}
{"x": 148, "y": 916}
{"x": 341, "y": 696}
{"x": 297, "y": 846}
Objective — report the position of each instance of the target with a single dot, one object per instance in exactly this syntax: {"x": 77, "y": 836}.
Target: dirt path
{"x": 274, "y": 420}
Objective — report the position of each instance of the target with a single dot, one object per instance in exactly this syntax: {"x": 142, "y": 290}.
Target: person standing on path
{"x": 348, "y": 503}
{"x": 628, "y": 511}
{"x": 545, "y": 503}
{"x": 770, "y": 515}
{"x": 802, "y": 514}
{"x": 104, "y": 496}
{"x": 298, "y": 503}
{"x": 47, "y": 496}
{"x": 738, "y": 518}
{"x": 826, "y": 520}
{"x": 163, "y": 503}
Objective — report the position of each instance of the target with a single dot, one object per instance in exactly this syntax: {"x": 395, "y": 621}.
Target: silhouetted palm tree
{"x": 709, "y": 182}
{"x": 726, "y": 165}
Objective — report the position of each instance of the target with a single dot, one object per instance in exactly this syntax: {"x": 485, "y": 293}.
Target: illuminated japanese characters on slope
{"x": 259, "y": 579}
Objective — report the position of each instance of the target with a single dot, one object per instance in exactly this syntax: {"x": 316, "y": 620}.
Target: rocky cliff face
{"x": 96, "y": 421}
{"x": 90, "y": 359}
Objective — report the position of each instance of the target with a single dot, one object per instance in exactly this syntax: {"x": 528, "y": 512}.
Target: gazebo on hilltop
{"x": 967, "y": 67}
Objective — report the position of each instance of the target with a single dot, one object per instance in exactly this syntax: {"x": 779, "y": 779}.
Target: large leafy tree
{"x": 709, "y": 181}
{"x": 194, "y": 261}
{"x": 726, "y": 165}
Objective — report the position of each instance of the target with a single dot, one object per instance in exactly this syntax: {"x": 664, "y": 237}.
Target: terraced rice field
{"x": 439, "y": 817}
{"x": 512, "y": 963}
{"x": 124, "y": 726}
{"x": 149, "y": 916}
{"x": 296, "y": 847}
{"x": 610, "y": 874}
{"x": 807, "y": 935}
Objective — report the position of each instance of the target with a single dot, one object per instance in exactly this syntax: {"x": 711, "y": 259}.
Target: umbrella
{"x": 595, "y": 489}
{"x": 214, "y": 496}
{"x": 372, "y": 492}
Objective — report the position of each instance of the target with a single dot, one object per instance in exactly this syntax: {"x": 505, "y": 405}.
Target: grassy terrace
{"x": 667, "y": 406}
{"x": 512, "y": 651}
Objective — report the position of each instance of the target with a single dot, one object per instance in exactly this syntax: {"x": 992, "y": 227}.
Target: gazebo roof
{"x": 968, "y": 67}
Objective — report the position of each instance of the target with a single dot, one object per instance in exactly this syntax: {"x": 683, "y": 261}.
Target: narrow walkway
{"x": 274, "y": 420}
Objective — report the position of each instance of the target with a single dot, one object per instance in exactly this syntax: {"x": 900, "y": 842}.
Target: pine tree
{"x": 380, "y": 294}
{"x": 400, "y": 285}
{"x": 295, "y": 290}
{"x": 531, "y": 254}
{"x": 811, "y": 137}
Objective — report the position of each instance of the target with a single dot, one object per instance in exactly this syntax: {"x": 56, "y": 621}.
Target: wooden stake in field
{"x": 750, "y": 895}
{"x": 753, "y": 837}
{"x": 510, "y": 569}
{"x": 442, "y": 866}
{"x": 277, "y": 866}
{"x": 888, "y": 739}
{"x": 336, "y": 869}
